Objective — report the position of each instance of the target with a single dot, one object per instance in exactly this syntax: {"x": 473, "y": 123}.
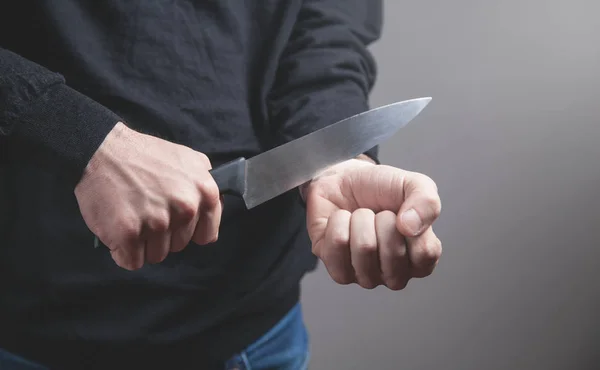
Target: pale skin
{"x": 372, "y": 224}
{"x": 145, "y": 197}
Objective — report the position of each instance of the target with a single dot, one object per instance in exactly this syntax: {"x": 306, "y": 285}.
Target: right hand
{"x": 144, "y": 197}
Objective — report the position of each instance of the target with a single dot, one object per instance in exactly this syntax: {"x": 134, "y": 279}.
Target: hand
{"x": 145, "y": 197}
{"x": 371, "y": 224}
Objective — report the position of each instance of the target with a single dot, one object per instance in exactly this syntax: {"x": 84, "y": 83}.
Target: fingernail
{"x": 411, "y": 220}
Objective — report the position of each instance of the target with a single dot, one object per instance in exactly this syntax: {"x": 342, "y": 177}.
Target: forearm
{"x": 327, "y": 71}
{"x": 37, "y": 106}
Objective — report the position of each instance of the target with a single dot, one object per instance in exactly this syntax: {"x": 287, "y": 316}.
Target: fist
{"x": 372, "y": 224}
{"x": 144, "y": 197}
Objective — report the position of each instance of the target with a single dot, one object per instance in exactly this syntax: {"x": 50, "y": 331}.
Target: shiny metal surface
{"x": 285, "y": 167}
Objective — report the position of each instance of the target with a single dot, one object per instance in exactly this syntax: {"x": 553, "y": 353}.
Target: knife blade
{"x": 285, "y": 167}
{"x": 265, "y": 176}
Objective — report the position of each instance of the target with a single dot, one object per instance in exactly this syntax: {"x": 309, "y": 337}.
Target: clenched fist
{"x": 145, "y": 197}
{"x": 372, "y": 224}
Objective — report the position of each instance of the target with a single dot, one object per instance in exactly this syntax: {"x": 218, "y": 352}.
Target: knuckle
{"x": 157, "y": 257}
{"x": 363, "y": 211}
{"x": 136, "y": 265}
{"x": 423, "y": 272}
{"x": 130, "y": 232}
{"x": 399, "y": 254}
{"x": 368, "y": 284}
{"x": 178, "y": 248}
{"x": 437, "y": 247}
{"x": 433, "y": 204}
{"x": 341, "y": 278}
{"x": 200, "y": 239}
{"x": 397, "y": 284}
{"x": 428, "y": 257}
{"x": 396, "y": 252}
{"x": 204, "y": 159}
{"x": 179, "y": 244}
{"x": 425, "y": 179}
{"x": 339, "y": 239}
{"x": 385, "y": 215}
{"x": 119, "y": 262}
{"x": 431, "y": 253}
{"x": 186, "y": 209}
{"x": 127, "y": 265}
{"x": 209, "y": 191}
{"x": 205, "y": 236}
{"x": 367, "y": 248}
{"x": 158, "y": 223}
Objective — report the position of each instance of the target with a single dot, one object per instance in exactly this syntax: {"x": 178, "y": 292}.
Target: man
{"x": 113, "y": 112}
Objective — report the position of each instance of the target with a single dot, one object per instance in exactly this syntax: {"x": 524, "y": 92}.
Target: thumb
{"x": 421, "y": 206}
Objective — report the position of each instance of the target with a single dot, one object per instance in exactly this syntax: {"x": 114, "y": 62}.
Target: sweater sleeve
{"x": 37, "y": 106}
{"x": 326, "y": 72}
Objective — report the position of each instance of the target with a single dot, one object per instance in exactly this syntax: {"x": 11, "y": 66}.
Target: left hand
{"x": 372, "y": 224}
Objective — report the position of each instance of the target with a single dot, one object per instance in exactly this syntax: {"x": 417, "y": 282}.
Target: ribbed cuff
{"x": 71, "y": 125}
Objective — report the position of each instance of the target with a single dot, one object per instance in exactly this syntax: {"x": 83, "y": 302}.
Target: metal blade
{"x": 285, "y": 167}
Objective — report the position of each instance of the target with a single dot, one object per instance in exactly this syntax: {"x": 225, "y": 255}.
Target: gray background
{"x": 511, "y": 139}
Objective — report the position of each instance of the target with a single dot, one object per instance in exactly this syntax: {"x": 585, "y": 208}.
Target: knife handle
{"x": 231, "y": 177}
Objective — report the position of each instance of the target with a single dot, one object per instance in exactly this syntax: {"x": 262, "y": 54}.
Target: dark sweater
{"x": 227, "y": 78}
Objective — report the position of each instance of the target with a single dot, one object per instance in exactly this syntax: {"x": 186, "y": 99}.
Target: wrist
{"x": 360, "y": 160}
{"x": 118, "y": 137}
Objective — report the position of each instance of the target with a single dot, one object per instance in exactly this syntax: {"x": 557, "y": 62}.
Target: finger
{"x": 209, "y": 213}
{"x": 363, "y": 248}
{"x": 421, "y": 206}
{"x": 393, "y": 257}
{"x": 335, "y": 250}
{"x": 318, "y": 212}
{"x": 181, "y": 237}
{"x": 157, "y": 236}
{"x": 128, "y": 250}
{"x": 184, "y": 209}
{"x": 424, "y": 253}
{"x": 157, "y": 246}
{"x": 129, "y": 257}
{"x": 185, "y": 213}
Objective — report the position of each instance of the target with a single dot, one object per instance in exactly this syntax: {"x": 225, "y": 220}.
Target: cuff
{"x": 373, "y": 153}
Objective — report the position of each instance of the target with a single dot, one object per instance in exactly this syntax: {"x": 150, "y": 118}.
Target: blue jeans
{"x": 283, "y": 347}
{"x": 9, "y": 361}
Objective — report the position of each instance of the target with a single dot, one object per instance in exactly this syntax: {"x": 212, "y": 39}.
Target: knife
{"x": 265, "y": 176}
{"x": 278, "y": 170}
